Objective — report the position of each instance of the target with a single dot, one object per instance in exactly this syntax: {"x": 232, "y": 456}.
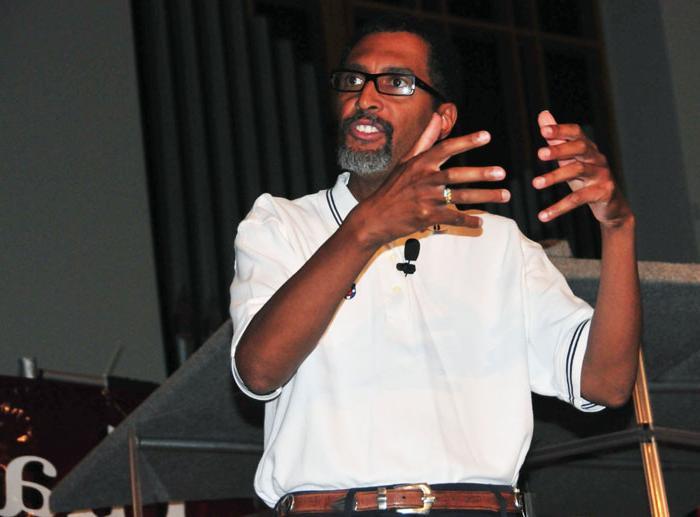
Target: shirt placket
{"x": 397, "y": 295}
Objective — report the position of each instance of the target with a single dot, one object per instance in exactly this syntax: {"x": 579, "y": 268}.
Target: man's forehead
{"x": 389, "y": 52}
{"x": 389, "y": 69}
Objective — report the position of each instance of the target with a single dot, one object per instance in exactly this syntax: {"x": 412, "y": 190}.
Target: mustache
{"x": 374, "y": 119}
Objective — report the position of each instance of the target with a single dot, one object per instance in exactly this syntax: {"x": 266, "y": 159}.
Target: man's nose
{"x": 369, "y": 98}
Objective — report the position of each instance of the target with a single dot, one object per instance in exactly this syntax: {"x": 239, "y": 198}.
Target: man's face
{"x": 377, "y": 130}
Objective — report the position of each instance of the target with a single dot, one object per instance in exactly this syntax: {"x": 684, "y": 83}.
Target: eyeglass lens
{"x": 391, "y": 84}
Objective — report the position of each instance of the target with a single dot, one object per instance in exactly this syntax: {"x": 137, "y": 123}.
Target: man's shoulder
{"x": 505, "y": 230}
{"x": 498, "y": 221}
{"x": 268, "y": 208}
{"x": 498, "y": 239}
{"x": 496, "y": 226}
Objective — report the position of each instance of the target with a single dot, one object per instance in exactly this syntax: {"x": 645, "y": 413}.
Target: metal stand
{"x": 644, "y": 433}
{"x": 653, "y": 474}
{"x": 175, "y": 445}
{"x": 196, "y": 438}
{"x": 135, "y": 482}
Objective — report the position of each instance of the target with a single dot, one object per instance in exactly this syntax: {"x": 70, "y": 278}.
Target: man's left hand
{"x": 586, "y": 171}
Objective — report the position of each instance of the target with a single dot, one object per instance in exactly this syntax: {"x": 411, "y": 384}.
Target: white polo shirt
{"x": 418, "y": 378}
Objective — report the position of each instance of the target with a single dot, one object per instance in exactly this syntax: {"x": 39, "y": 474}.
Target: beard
{"x": 365, "y": 163}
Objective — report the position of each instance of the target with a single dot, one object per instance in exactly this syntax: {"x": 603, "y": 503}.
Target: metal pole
{"x": 136, "y": 505}
{"x": 199, "y": 445}
{"x": 653, "y": 474}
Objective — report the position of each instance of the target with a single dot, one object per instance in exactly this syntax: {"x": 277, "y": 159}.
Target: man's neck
{"x": 362, "y": 186}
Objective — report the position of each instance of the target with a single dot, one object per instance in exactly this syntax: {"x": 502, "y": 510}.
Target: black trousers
{"x": 433, "y": 513}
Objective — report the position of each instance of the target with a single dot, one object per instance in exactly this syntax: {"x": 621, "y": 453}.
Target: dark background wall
{"x": 77, "y": 268}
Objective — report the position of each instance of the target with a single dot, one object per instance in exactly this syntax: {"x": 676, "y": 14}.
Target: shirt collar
{"x": 339, "y": 198}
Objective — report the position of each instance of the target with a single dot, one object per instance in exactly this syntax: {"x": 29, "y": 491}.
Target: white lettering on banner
{"x": 14, "y": 483}
{"x": 116, "y": 512}
{"x": 174, "y": 510}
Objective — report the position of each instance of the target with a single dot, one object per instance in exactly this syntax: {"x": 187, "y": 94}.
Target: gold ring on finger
{"x": 447, "y": 194}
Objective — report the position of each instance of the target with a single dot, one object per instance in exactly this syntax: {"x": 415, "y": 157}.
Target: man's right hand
{"x": 412, "y": 197}
{"x": 409, "y": 200}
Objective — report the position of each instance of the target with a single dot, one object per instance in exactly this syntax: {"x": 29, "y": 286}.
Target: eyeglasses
{"x": 391, "y": 83}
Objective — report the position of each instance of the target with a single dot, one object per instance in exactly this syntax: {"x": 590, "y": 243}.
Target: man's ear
{"x": 448, "y": 118}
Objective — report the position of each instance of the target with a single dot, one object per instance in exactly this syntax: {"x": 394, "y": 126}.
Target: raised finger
{"x": 578, "y": 198}
{"x": 475, "y": 196}
{"x": 456, "y": 175}
{"x": 426, "y": 140}
{"x": 545, "y": 118}
{"x": 562, "y": 132}
{"x": 574, "y": 149}
{"x": 444, "y": 150}
{"x": 574, "y": 170}
{"x": 448, "y": 215}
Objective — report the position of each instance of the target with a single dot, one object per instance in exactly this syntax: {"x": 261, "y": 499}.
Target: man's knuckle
{"x": 608, "y": 188}
{"x": 446, "y": 146}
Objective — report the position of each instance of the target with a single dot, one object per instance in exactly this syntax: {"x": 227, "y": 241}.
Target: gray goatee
{"x": 365, "y": 163}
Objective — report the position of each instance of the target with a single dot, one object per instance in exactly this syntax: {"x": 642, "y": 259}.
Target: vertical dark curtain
{"x": 233, "y": 107}
{"x": 229, "y": 112}
{"x": 519, "y": 57}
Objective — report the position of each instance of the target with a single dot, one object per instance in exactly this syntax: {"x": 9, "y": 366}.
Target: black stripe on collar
{"x": 333, "y": 208}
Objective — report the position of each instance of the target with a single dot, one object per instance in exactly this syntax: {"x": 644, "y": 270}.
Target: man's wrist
{"x": 358, "y": 229}
{"x": 621, "y": 225}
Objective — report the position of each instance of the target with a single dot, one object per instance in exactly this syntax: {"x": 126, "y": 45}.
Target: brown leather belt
{"x": 409, "y": 499}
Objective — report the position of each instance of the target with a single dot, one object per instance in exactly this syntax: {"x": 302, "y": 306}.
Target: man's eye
{"x": 398, "y": 81}
{"x": 353, "y": 79}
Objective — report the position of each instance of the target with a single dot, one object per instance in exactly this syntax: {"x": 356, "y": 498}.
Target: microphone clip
{"x": 410, "y": 252}
{"x": 406, "y": 268}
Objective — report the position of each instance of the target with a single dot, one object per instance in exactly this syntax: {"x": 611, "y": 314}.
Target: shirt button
{"x": 396, "y": 289}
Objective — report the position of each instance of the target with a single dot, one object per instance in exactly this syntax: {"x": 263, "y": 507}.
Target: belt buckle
{"x": 285, "y": 505}
{"x": 428, "y": 498}
{"x": 519, "y": 501}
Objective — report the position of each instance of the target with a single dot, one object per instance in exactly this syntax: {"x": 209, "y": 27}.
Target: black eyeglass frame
{"x": 417, "y": 81}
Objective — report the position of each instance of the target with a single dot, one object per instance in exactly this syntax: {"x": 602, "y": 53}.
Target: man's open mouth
{"x": 366, "y": 129}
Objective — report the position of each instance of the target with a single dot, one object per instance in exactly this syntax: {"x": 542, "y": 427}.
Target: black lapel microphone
{"x": 410, "y": 253}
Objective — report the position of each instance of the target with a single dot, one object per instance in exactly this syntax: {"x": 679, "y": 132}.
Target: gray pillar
{"x": 650, "y": 124}
{"x": 76, "y": 269}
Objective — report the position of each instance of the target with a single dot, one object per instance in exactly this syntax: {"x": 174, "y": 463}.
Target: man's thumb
{"x": 427, "y": 139}
{"x": 545, "y": 118}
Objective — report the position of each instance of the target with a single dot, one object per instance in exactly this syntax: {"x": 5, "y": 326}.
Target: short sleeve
{"x": 265, "y": 260}
{"x": 557, "y": 325}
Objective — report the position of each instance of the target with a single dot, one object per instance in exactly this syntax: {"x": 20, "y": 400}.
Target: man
{"x": 376, "y": 378}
